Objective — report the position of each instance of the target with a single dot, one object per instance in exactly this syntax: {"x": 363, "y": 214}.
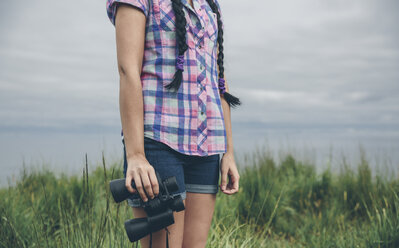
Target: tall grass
{"x": 279, "y": 205}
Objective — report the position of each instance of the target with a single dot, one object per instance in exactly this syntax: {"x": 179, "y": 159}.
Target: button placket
{"x": 202, "y": 122}
{"x": 202, "y": 119}
{"x": 201, "y": 52}
{"x": 202, "y": 96}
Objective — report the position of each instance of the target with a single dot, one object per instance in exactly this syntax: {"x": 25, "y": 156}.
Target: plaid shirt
{"x": 190, "y": 121}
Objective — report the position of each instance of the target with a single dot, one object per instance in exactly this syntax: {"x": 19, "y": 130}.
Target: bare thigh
{"x": 159, "y": 238}
{"x": 198, "y": 219}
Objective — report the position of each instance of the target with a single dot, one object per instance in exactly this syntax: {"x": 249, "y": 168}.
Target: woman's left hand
{"x": 228, "y": 168}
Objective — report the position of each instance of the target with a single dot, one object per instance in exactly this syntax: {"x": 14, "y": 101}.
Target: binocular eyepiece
{"x": 159, "y": 210}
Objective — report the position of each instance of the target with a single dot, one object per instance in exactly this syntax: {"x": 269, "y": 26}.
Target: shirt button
{"x": 201, "y": 67}
{"x": 202, "y": 112}
{"x": 200, "y": 46}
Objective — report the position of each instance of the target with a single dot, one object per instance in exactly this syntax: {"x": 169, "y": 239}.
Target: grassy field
{"x": 285, "y": 204}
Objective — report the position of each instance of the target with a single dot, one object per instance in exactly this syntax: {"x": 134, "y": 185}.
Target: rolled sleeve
{"x": 112, "y": 7}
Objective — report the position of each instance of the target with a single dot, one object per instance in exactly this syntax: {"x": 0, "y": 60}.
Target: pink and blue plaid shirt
{"x": 191, "y": 120}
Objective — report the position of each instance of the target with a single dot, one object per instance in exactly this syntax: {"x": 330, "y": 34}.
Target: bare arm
{"x": 130, "y": 39}
{"x": 228, "y": 165}
{"x": 227, "y": 123}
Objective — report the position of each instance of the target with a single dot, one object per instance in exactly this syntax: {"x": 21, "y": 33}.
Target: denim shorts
{"x": 197, "y": 174}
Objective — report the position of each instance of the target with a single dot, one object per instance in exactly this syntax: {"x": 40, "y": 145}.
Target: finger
{"x": 128, "y": 184}
{"x": 228, "y": 189}
{"x": 139, "y": 187}
{"x": 147, "y": 185}
{"x": 154, "y": 181}
{"x": 224, "y": 180}
{"x": 230, "y": 186}
{"x": 235, "y": 184}
{"x": 230, "y": 182}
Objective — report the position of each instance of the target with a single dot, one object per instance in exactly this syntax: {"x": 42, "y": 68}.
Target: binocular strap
{"x": 167, "y": 240}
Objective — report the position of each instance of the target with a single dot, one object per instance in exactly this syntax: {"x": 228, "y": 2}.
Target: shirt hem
{"x": 182, "y": 152}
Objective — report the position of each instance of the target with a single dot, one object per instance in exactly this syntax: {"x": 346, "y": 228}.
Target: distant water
{"x": 65, "y": 151}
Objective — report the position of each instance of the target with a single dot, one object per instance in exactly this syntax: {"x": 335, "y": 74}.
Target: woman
{"x": 175, "y": 109}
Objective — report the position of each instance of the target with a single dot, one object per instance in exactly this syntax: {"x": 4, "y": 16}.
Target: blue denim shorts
{"x": 197, "y": 174}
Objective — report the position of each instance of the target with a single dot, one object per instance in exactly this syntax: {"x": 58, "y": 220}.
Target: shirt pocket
{"x": 167, "y": 16}
{"x": 212, "y": 27}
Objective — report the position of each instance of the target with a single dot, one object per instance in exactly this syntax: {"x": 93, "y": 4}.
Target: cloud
{"x": 315, "y": 63}
{"x": 313, "y": 71}
{"x": 289, "y": 61}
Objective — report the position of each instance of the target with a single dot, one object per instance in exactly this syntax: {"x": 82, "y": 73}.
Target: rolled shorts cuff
{"x": 200, "y": 188}
{"x": 136, "y": 203}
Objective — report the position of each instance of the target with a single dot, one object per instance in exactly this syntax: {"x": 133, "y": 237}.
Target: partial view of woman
{"x": 175, "y": 109}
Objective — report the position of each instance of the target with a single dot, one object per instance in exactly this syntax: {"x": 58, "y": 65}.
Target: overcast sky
{"x": 319, "y": 71}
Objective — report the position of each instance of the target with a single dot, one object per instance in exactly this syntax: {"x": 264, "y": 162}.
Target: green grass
{"x": 279, "y": 205}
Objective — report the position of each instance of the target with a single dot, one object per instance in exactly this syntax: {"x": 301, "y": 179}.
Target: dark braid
{"x": 181, "y": 44}
{"x": 230, "y": 99}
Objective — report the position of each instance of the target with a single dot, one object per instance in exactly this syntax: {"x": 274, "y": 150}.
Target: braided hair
{"x": 182, "y": 47}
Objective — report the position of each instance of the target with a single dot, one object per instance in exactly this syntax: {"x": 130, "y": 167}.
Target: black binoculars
{"x": 159, "y": 210}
